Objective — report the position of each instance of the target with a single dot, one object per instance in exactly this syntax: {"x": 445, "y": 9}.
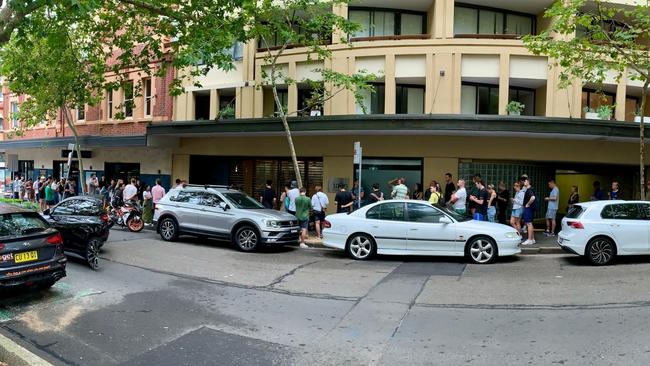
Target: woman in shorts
{"x": 517, "y": 207}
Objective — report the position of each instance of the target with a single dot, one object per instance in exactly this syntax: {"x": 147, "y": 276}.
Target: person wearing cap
{"x": 292, "y": 194}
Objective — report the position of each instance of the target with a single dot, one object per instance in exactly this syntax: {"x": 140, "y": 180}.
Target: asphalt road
{"x": 199, "y": 302}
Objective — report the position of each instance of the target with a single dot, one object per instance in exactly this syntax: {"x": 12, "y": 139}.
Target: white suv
{"x": 601, "y": 230}
{"x": 223, "y": 213}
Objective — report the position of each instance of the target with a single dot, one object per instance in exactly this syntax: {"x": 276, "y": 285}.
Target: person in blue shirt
{"x": 598, "y": 195}
{"x": 615, "y": 193}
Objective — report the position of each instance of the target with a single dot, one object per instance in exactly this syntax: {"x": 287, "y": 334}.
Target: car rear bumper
{"x": 571, "y": 244}
{"x": 53, "y": 269}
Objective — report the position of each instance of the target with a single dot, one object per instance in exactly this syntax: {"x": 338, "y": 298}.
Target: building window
{"x": 632, "y": 105}
{"x": 593, "y": 100}
{"x": 479, "y": 99}
{"x": 147, "y": 96}
{"x": 14, "y": 114}
{"x": 227, "y": 104}
{"x": 409, "y": 99}
{"x": 472, "y": 20}
{"x": 81, "y": 113}
{"x": 283, "y": 95}
{"x": 237, "y": 51}
{"x": 310, "y": 101}
{"x": 377, "y": 23}
{"x": 372, "y": 101}
{"x": 109, "y": 106}
{"x": 202, "y": 105}
{"x": 128, "y": 99}
{"x": 524, "y": 96}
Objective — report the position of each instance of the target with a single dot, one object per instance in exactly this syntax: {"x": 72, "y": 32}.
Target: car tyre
{"x": 600, "y": 251}
{"x": 168, "y": 229}
{"x": 92, "y": 253}
{"x": 44, "y": 285}
{"x": 481, "y": 250}
{"x": 361, "y": 247}
{"x": 246, "y": 239}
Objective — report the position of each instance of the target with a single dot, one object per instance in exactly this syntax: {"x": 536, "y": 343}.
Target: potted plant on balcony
{"x": 604, "y": 112}
{"x": 638, "y": 115}
{"x": 514, "y": 108}
{"x": 590, "y": 113}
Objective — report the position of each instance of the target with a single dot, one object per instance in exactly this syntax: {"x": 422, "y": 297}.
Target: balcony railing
{"x": 390, "y": 38}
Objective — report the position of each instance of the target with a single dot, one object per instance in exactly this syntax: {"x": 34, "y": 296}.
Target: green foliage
{"x": 23, "y": 204}
{"x": 604, "y": 112}
{"x": 515, "y": 107}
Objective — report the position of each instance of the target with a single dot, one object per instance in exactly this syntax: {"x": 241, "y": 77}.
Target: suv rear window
{"x": 575, "y": 212}
{"x": 17, "y": 224}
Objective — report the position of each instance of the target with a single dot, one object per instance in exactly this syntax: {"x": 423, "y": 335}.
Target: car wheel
{"x": 168, "y": 229}
{"x": 135, "y": 223}
{"x": 246, "y": 239}
{"x": 361, "y": 247}
{"x": 600, "y": 251}
{"x": 482, "y": 250}
{"x": 92, "y": 253}
{"x": 44, "y": 285}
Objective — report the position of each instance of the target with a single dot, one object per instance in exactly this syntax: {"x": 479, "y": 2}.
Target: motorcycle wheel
{"x": 135, "y": 223}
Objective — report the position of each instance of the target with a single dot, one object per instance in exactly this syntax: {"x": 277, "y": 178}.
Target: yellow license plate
{"x": 26, "y": 257}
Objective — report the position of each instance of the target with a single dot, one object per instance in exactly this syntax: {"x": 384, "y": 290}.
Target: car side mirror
{"x": 47, "y": 212}
{"x": 445, "y": 220}
{"x": 224, "y": 206}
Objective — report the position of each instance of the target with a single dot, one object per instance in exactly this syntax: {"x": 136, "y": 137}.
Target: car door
{"x": 426, "y": 234}
{"x": 214, "y": 218}
{"x": 628, "y": 226}
{"x": 185, "y": 206}
{"x": 387, "y": 224}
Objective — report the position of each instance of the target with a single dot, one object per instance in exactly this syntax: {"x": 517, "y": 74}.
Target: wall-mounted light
{"x": 442, "y": 72}
{"x": 91, "y": 167}
{"x": 159, "y": 171}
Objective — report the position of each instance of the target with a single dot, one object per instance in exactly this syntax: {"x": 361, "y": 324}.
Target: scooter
{"x": 129, "y": 216}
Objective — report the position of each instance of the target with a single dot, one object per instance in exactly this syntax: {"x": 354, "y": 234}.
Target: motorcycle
{"x": 129, "y": 216}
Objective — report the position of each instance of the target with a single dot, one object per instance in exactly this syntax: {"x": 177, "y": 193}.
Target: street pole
{"x": 358, "y": 154}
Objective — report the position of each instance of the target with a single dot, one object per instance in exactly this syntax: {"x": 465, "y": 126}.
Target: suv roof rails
{"x": 206, "y": 186}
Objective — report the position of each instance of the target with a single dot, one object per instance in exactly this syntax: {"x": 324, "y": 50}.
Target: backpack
{"x": 287, "y": 202}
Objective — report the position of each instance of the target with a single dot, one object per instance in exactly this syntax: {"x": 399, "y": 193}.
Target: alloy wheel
{"x": 167, "y": 230}
{"x": 481, "y": 251}
{"x": 361, "y": 247}
{"x": 92, "y": 254}
{"x": 247, "y": 239}
{"x": 601, "y": 251}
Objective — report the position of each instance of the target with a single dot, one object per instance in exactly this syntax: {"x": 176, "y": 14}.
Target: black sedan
{"x": 84, "y": 225}
{"x": 31, "y": 252}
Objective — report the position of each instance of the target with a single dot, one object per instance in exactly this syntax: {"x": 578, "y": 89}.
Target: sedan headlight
{"x": 271, "y": 223}
{"x": 512, "y": 235}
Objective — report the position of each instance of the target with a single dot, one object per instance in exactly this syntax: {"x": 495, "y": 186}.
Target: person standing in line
{"x": 93, "y": 183}
{"x": 303, "y": 204}
{"x": 292, "y": 194}
{"x": 357, "y": 192}
{"x": 343, "y": 200}
{"x": 61, "y": 189}
{"x": 517, "y": 207}
{"x": 614, "y": 194}
{"x": 102, "y": 182}
{"x": 459, "y": 198}
{"x": 435, "y": 197}
{"x": 553, "y": 200}
{"x": 117, "y": 200}
{"x": 130, "y": 192}
{"x": 417, "y": 192}
{"x": 147, "y": 205}
{"x": 29, "y": 190}
{"x": 450, "y": 187}
{"x": 427, "y": 192}
{"x": 480, "y": 201}
{"x": 41, "y": 193}
{"x": 529, "y": 211}
{"x": 36, "y": 186}
{"x": 267, "y": 198}
{"x": 16, "y": 187}
{"x": 503, "y": 200}
{"x": 574, "y": 197}
{"x": 284, "y": 199}
{"x": 492, "y": 201}
{"x": 319, "y": 202}
{"x": 21, "y": 193}
{"x": 598, "y": 195}
{"x": 473, "y": 191}
{"x": 55, "y": 190}
{"x": 376, "y": 195}
{"x": 49, "y": 193}
{"x": 400, "y": 191}
{"x": 70, "y": 188}
{"x": 157, "y": 193}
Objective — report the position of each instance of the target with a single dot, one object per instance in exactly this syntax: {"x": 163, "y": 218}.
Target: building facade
{"x": 446, "y": 70}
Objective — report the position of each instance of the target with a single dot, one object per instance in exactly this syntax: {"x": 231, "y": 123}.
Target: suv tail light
{"x": 327, "y": 224}
{"x": 575, "y": 224}
{"x": 55, "y": 239}
{"x": 104, "y": 217}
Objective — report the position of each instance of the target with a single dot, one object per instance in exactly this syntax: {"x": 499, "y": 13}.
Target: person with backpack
{"x": 435, "y": 197}
{"x": 530, "y": 205}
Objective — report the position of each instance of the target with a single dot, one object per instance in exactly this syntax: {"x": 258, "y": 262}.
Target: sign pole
{"x": 358, "y": 154}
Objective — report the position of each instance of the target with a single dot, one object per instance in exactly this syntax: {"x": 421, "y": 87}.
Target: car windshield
{"x": 242, "y": 200}
{"x": 453, "y": 214}
{"x": 16, "y": 224}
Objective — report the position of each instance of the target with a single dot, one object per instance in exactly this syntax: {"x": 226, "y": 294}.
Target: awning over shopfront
{"x": 84, "y": 141}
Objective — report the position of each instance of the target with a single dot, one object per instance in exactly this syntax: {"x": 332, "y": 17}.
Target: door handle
{"x": 413, "y": 229}
{"x": 375, "y": 227}
{"x": 614, "y": 225}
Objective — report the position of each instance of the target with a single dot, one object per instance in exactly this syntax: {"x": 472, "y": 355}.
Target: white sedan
{"x": 405, "y": 227}
{"x": 601, "y": 230}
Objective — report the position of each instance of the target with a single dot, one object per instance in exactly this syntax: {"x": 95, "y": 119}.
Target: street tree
{"x": 589, "y": 39}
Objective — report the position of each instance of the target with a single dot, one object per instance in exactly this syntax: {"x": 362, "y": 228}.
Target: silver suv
{"x": 223, "y": 213}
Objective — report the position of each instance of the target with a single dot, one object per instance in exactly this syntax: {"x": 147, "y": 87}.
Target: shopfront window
{"x": 384, "y": 171}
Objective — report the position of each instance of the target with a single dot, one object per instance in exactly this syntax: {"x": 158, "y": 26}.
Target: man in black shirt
{"x": 450, "y": 187}
{"x": 503, "y": 200}
{"x": 268, "y": 195}
{"x": 343, "y": 200}
{"x": 530, "y": 204}
{"x": 480, "y": 201}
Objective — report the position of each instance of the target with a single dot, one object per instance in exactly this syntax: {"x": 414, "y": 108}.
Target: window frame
{"x": 126, "y": 108}
{"x": 147, "y": 87}
{"x": 81, "y": 113}
{"x": 476, "y": 103}
{"x": 399, "y": 106}
{"x": 109, "y": 106}
{"x": 521, "y": 88}
{"x": 408, "y": 213}
{"x": 385, "y": 203}
{"x": 15, "y": 123}
{"x": 397, "y": 19}
{"x": 504, "y": 13}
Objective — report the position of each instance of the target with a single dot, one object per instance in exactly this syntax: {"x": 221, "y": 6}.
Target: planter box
{"x": 591, "y": 115}
{"x": 514, "y": 113}
{"x": 637, "y": 119}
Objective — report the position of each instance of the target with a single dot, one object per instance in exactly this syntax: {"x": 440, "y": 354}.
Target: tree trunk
{"x": 287, "y": 130}
{"x": 644, "y": 93}
{"x": 68, "y": 119}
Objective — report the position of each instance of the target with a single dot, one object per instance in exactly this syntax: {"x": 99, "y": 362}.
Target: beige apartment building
{"x": 447, "y": 69}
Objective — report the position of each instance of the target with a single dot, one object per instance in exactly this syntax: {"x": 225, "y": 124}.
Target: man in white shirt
{"x": 93, "y": 183}
{"x": 319, "y": 202}
{"x": 459, "y": 198}
{"x": 293, "y": 193}
{"x": 130, "y": 191}
{"x": 18, "y": 184}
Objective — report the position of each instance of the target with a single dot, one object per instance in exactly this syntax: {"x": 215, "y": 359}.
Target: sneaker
{"x": 546, "y": 233}
{"x": 304, "y": 246}
{"x": 528, "y": 242}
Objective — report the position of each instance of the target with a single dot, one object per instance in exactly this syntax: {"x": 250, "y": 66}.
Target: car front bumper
{"x": 53, "y": 269}
{"x": 509, "y": 247}
{"x": 281, "y": 237}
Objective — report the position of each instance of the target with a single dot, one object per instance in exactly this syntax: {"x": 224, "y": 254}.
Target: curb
{"x": 11, "y": 353}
